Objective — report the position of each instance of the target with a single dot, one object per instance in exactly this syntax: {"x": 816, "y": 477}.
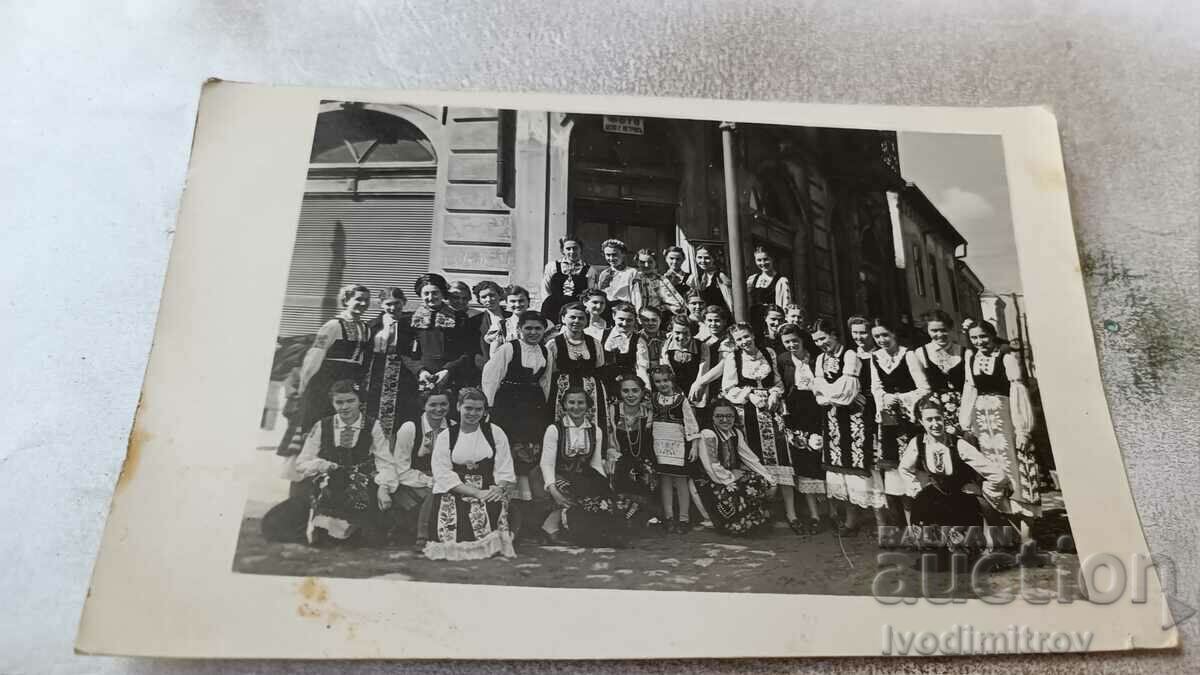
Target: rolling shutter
{"x": 373, "y": 241}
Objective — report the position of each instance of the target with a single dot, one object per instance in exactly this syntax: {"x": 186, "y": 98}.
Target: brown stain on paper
{"x": 133, "y": 455}
{"x": 315, "y": 604}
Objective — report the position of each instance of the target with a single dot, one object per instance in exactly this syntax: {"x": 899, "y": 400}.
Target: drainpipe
{"x": 736, "y": 260}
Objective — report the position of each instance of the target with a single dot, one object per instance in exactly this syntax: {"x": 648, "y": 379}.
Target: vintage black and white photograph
{"x": 571, "y": 350}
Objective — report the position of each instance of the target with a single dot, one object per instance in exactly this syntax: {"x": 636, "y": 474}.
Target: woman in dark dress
{"x": 444, "y": 344}
{"x": 564, "y": 280}
{"x": 712, "y": 284}
{"x": 897, "y": 384}
{"x": 849, "y": 433}
{"x": 391, "y": 393}
{"x": 340, "y": 352}
{"x": 516, "y": 380}
{"x": 941, "y": 361}
{"x": 751, "y": 380}
{"x": 803, "y": 418}
{"x": 687, "y": 358}
{"x": 577, "y": 362}
{"x": 734, "y": 487}
{"x": 631, "y": 447}
{"x": 766, "y": 287}
{"x": 676, "y": 275}
{"x": 573, "y": 470}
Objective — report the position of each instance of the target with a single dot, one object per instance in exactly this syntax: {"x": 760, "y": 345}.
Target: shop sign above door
{"x": 615, "y": 124}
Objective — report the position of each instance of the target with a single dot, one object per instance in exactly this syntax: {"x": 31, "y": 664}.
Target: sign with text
{"x": 615, "y": 124}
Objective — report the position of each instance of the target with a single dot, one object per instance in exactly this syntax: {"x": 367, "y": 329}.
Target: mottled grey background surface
{"x": 99, "y": 100}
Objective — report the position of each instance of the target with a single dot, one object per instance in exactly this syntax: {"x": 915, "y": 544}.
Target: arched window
{"x": 358, "y": 136}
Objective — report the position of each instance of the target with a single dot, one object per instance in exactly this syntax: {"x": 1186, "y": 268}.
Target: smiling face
{"x": 516, "y": 303}
{"x": 861, "y": 335}
{"x": 346, "y": 406}
{"x": 696, "y": 308}
{"x": 884, "y": 338}
{"x": 574, "y": 321}
{"x": 572, "y": 251}
{"x": 490, "y": 299}
{"x": 675, "y": 261}
{"x": 632, "y": 392}
{"x": 431, "y": 296}
{"x": 793, "y": 344}
{"x": 436, "y": 407}
{"x": 358, "y": 303}
{"x": 392, "y": 306}
{"x": 575, "y": 405}
{"x": 704, "y": 260}
{"x": 774, "y": 321}
{"x": 980, "y": 339}
{"x": 682, "y": 334}
{"x": 595, "y": 305}
{"x": 614, "y": 256}
{"x": 933, "y": 422}
{"x": 764, "y": 262}
{"x": 663, "y": 383}
{"x": 724, "y": 418}
{"x": 651, "y": 323}
{"x": 795, "y": 316}
{"x": 625, "y": 321}
{"x": 939, "y": 332}
{"x": 715, "y": 323}
{"x": 471, "y": 411}
{"x": 744, "y": 340}
{"x": 827, "y": 342}
{"x": 532, "y": 332}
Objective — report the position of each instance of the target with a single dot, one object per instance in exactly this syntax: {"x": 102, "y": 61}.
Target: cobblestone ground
{"x": 775, "y": 561}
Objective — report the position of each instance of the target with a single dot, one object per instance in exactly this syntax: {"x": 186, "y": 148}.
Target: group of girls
{"x": 640, "y": 401}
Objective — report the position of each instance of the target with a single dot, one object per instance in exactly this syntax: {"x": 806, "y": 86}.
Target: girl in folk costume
{"x": 804, "y": 419}
{"x": 695, "y": 312}
{"x": 772, "y": 322}
{"x": 339, "y": 455}
{"x": 676, "y": 275}
{"x": 687, "y": 358}
{"x": 735, "y": 487}
{"x": 444, "y": 344}
{"x": 490, "y": 325}
{"x": 651, "y": 321}
{"x": 576, "y": 362}
{"x": 996, "y": 408}
{"x": 766, "y": 287}
{"x": 405, "y": 477}
{"x": 625, "y": 351}
{"x": 849, "y": 442}
{"x": 619, "y": 281}
{"x": 596, "y": 304}
{"x": 718, "y": 346}
{"x": 472, "y": 473}
{"x": 339, "y": 352}
{"x": 751, "y": 381}
{"x": 459, "y": 297}
{"x": 710, "y": 282}
{"x": 951, "y": 475}
{"x": 573, "y": 469}
{"x": 516, "y": 303}
{"x": 566, "y": 279}
{"x": 516, "y": 381}
{"x": 656, "y": 291}
{"x": 631, "y": 447}
{"x": 897, "y": 384}
{"x": 391, "y": 386}
{"x": 673, "y": 428}
{"x": 941, "y": 362}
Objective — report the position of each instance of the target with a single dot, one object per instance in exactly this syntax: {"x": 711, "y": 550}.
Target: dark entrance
{"x": 623, "y": 185}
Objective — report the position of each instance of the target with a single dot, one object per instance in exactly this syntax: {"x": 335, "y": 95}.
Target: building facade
{"x": 394, "y": 191}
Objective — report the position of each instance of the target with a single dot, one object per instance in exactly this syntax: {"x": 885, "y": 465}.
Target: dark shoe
{"x": 844, "y": 531}
{"x": 670, "y": 526}
{"x": 556, "y": 539}
{"x": 814, "y": 526}
{"x": 419, "y": 545}
{"x": 683, "y": 527}
{"x": 796, "y": 526}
